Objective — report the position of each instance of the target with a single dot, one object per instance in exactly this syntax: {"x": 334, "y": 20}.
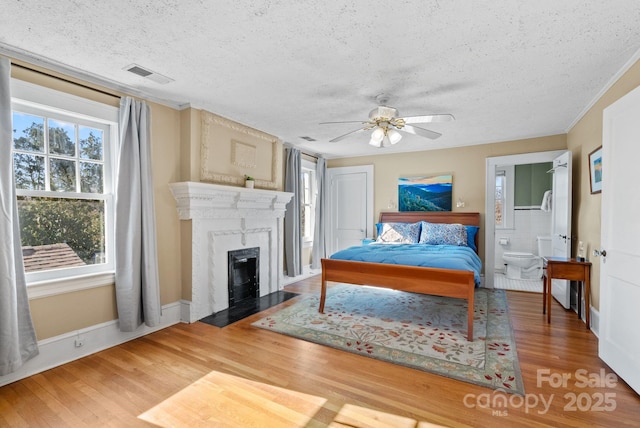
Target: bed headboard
{"x": 469, "y": 219}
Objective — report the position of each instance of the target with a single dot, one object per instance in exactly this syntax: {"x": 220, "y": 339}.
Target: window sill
{"x": 40, "y": 289}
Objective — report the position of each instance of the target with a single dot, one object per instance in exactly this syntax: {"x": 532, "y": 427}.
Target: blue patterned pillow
{"x": 443, "y": 234}
{"x": 398, "y": 233}
{"x": 471, "y": 237}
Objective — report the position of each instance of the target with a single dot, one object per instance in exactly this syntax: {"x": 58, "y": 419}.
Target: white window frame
{"x": 29, "y": 98}
{"x": 310, "y": 168}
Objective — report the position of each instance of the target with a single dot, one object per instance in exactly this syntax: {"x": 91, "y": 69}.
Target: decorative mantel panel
{"x": 226, "y": 218}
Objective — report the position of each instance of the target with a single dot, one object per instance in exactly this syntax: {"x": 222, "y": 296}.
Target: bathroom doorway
{"x": 515, "y": 221}
{"x": 522, "y": 225}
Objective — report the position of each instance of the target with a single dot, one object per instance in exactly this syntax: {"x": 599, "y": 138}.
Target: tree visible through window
{"x": 500, "y": 200}
{"x": 59, "y": 168}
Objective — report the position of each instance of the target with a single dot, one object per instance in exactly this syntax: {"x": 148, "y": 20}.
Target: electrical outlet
{"x": 79, "y": 343}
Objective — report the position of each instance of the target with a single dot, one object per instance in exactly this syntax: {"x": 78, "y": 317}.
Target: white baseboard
{"x": 62, "y": 349}
{"x": 595, "y": 322}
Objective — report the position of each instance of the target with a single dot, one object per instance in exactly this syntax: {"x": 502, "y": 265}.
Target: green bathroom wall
{"x": 531, "y": 181}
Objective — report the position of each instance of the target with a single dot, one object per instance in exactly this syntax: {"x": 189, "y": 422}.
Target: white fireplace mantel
{"x": 227, "y": 218}
{"x": 204, "y": 200}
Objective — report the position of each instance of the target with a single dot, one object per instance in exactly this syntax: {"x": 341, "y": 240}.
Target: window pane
{"x": 63, "y": 175}
{"x": 28, "y": 132}
{"x": 499, "y": 210}
{"x": 62, "y": 137}
{"x": 306, "y": 178}
{"x": 90, "y": 177}
{"x": 28, "y": 171}
{"x": 307, "y": 223}
{"x": 91, "y": 141}
{"x": 498, "y": 213}
{"x": 304, "y": 219}
{"x": 59, "y": 233}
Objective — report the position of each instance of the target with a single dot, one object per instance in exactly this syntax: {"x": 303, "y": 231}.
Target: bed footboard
{"x": 424, "y": 280}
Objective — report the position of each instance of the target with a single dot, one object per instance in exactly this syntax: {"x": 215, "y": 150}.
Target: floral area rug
{"x": 414, "y": 330}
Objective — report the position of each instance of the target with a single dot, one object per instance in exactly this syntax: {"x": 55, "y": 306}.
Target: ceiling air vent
{"x": 308, "y": 138}
{"x": 148, "y": 74}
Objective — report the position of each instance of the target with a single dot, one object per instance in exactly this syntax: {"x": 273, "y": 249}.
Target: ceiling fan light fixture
{"x": 385, "y": 122}
{"x": 375, "y": 143}
{"x": 378, "y": 134}
{"x": 394, "y": 136}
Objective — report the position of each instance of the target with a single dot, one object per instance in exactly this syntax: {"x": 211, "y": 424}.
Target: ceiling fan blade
{"x": 430, "y": 118}
{"x": 342, "y": 137}
{"x": 421, "y": 132}
{"x": 348, "y": 121}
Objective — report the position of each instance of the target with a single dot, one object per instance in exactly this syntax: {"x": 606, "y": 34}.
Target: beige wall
{"x": 69, "y": 312}
{"x": 190, "y": 129}
{"x": 466, "y": 164}
{"x": 72, "y": 311}
{"x": 165, "y": 146}
{"x": 582, "y": 139}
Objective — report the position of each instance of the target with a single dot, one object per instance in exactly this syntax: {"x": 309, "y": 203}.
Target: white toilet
{"x": 527, "y": 265}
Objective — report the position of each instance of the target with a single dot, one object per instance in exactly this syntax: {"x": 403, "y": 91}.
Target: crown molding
{"x": 13, "y": 52}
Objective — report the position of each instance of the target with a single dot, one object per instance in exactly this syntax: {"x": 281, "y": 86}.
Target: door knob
{"x": 598, "y": 253}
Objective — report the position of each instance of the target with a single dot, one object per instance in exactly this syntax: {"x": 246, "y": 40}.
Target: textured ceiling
{"x": 505, "y": 69}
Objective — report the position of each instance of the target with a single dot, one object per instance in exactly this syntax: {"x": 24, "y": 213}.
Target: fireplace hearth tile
{"x": 246, "y": 308}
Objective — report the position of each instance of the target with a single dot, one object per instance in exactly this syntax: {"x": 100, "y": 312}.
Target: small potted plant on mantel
{"x": 249, "y": 181}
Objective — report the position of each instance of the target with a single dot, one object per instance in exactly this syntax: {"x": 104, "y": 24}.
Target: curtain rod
{"x": 311, "y": 156}
{"x": 65, "y": 80}
{"x": 291, "y": 146}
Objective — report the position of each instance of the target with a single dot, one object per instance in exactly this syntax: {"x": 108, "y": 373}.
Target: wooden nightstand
{"x": 573, "y": 270}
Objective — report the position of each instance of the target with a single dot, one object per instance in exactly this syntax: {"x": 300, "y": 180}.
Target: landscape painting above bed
{"x": 425, "y": 193}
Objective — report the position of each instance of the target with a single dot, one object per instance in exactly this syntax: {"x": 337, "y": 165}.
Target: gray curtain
{"x": 319, "y": 232}
{"x": 18, "y": 341}
{"x": 292, "y": 219}
{"x": 137, "y": 284}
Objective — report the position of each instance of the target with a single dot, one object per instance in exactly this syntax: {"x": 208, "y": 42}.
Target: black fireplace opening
{"x": 244, "y": 276}
{"x": 244, "y": 289}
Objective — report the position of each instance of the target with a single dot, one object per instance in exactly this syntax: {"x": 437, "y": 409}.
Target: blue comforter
{"x": 436, "y": 256}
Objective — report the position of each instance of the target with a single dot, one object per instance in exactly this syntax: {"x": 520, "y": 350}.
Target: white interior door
{"x": 350, "y": 206}
{"x": 561, "y": 222}
{"x": 619, "y": 344}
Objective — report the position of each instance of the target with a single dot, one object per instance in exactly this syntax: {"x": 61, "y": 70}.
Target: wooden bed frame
{"x": 424, "y": 280}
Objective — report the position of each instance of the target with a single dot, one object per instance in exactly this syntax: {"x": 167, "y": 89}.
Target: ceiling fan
{"x": 385, "y": 123}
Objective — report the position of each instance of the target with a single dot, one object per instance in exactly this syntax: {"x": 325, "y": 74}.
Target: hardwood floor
{"x": 201, "y": 375}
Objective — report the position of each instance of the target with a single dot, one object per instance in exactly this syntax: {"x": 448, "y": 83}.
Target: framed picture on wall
{"x": 595, "y": 170}
{"x": 425, "y": 193}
